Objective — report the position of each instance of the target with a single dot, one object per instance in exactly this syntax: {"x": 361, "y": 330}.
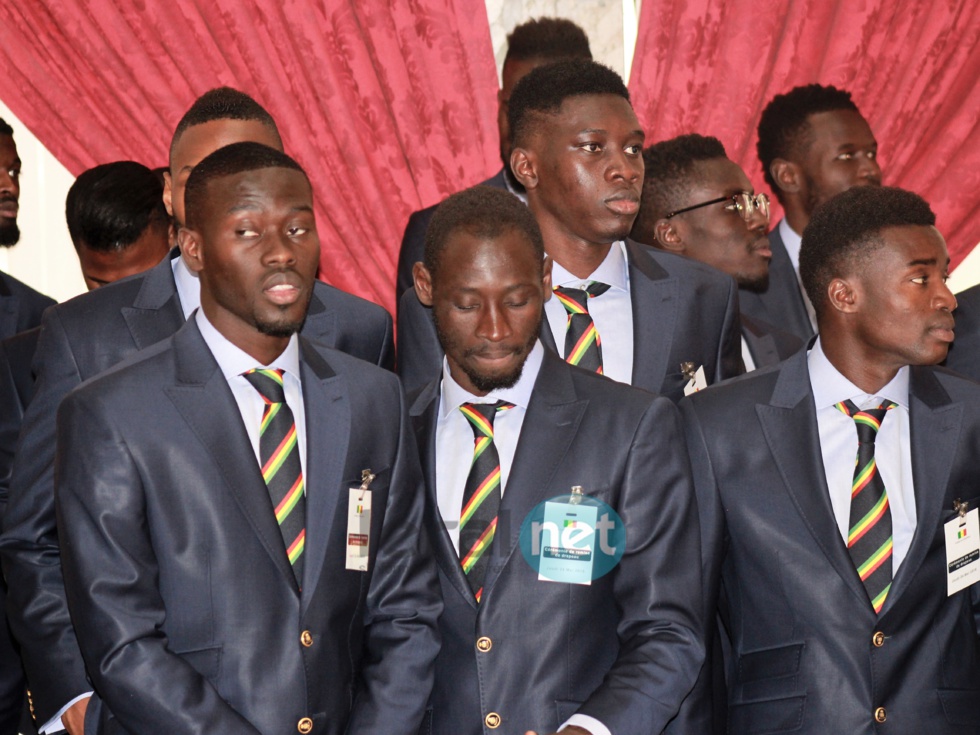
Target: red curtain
{"x": 389, "y": 105}
{"x": 913, "y": 67}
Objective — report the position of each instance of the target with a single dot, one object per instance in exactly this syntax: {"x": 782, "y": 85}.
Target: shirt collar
{"x": 831, "y": 387}
{"x": 234, "y": 361}
{"x": 613, "y": 271}
{"x": 454, "y": 395}
{"x": 188, "y": 286}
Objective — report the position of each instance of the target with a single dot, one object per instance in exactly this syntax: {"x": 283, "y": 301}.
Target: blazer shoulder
{"x": 685, "y": 269}
{"x": 353, "y": 307}
{"x": 134, "y": 375}
{"x": 95, "y": 309}
{"x": 21, "y": 289}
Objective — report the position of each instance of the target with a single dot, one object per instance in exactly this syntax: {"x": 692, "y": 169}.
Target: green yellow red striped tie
{"x": 583, "y": 347}
{"x": 281, "y": 467}
{"x": 869, "y": 537}
{"x": 481, "y": 497}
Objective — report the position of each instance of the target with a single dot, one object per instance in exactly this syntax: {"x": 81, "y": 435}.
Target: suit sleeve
{"x": 657, "y": 584}
{"x": 419, "y": 351}
{"x": 730, "y": 346}
{"x": 403, "y": 607}
{"x": 38, "y": 612}
{"x": 112, "y": 583}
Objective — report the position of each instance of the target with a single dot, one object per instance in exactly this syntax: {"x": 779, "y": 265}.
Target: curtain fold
{"x": 913, "y": 68}
{"x": 388, "y": 105}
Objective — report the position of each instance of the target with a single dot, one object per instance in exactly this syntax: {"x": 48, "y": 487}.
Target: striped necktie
{"x": 869, "y": 536}
{"x": 481, "y": 497}
{"x": 582, "y": 344}
{"x": 281, "y": 468}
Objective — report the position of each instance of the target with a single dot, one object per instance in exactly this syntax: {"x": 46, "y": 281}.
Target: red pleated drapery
{"x": 389, "y": 105}
{"x": 913, "y": 67}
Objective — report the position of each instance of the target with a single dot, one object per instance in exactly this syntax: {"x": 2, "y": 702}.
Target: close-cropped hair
{"x": 222, "y": 103}
{"x": 5, "y": 128}
{"x": 110, "y": 206}
{"x": 484, "y": 212}
{"x": 784, "y": 129}
{"x": 547, "y": 38}
{"x": 228, "y": 161}
{"x": 544, "y": 89}
{"x": 848, "y": 227}
{"x": 670, "y": 168}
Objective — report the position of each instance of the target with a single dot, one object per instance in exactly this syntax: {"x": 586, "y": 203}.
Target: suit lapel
{"x": 762, "y": 345}
{"x": 205, "y": 401}
{"x": 550, "y": 424}
{"x": 934, "y": 426}
{"x": 789, "y": 424}
{"x": 328, "y": 428}
{"x": 652, "y": 292}
{"x": 424, "y": 415}
{"x": 156, "y": 313}
{"x": 321, "y": 323}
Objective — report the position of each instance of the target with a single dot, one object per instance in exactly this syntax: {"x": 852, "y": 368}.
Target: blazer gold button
{"x": 305, "y": 725}
{"x": 492, "y": 720}
{"x": 484, "y": 644}
{"x": 878, "y": 639}
{"x": 307, "y": 640}
{"x": 880, "y": 714}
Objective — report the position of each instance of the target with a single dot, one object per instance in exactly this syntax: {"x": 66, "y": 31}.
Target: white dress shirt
{"x": 839, "y": 443}
{"x": 454, "y": 455}
{"x": 747, "y": 356}
{"x": 612, "y": 312}
{"x": 793, "y": 243}
{"x": 188, "y": 286}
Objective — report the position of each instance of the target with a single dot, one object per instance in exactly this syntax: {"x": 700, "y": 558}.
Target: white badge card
{"x": 962, "y": 551}
{"x": 567, "y": 539}
{"x": 358, "y": 529}
{"x": 696, "y": 382}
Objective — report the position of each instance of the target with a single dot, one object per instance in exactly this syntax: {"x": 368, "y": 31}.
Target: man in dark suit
{"x": 93, "y": 332}
{"x": 20, "y": 305}
{"x": 964, "y": 353}
{"x": 531, "y": 44}
{"x": 696, "y": 202}
{"x": 235, "y": 502}
{"x": 833, "y": 572}
{"x": 661, "y": 319}
{"x": 610, "y": 653}
{"x": 813, "y": 144}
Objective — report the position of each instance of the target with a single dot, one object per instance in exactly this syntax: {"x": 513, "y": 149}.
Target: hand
{"x": 74, "y": 717}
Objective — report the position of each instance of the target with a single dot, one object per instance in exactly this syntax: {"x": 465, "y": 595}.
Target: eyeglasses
{"x": 743, "y": 202}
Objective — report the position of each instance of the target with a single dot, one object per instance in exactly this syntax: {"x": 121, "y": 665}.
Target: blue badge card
{"x": 567, "y": 543}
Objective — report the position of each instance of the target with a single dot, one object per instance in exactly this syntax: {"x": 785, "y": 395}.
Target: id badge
{"x": 962, "y": 550}
{"x": 359, "y": 525}
{"x": 568, "y": 536}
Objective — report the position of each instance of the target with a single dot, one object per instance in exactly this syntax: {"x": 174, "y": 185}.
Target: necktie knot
{"x": 868, "y": 420}
{"x": 268, "y": 383}
{"x": 576, "y": 300}
{"x": 481, "y": 416}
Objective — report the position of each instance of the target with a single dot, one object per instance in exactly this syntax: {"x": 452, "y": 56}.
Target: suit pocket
{"x": 205, "y": 661}
{"x": 962, "y": 706}
{"x": 775, "y": 715}
{"x": 565, "y": 709}
{"x": 770, "y": 673}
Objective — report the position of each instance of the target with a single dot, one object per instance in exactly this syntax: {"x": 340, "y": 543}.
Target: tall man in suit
{"x": 20, "y": 305}
{"x": 660, "y": 318}
{"x": 531, "y": 44}
{"x": 232, "y": 507}
{"x": 93, "y": 332}
{"x": 696, "y": 202}
{"x": 833, "y": 571}
{"x": 618, "y": 654}
{"x": 813, "y": 144}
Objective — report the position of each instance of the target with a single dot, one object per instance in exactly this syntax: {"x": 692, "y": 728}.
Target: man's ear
{"x": 843, "y": 295}
{"x": 667, "y": 236}
{"x": 524, "y": 167}
{"x": 189, "y": 242}
{"x": 423, "y": 283}
{"x": 546, "y": 276}
{"x": 168, "y": 193}
{"x": 787, "y": 175}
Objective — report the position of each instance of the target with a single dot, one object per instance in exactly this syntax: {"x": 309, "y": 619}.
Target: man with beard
{"x": 508, "y": 426}
{"x": 813, "y": 144}
{"x": 531, "y": 44}
{"x": 835, "y": 490}
{"x": 20, "y": 305}
{"x": 652, "y": 319}
{"x": 204, "y": 551}
{"x": 92, "y": 333}
{"x": 698, "y": 203}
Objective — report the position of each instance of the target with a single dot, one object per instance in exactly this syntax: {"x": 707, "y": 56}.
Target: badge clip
{"x": 689, "y": 370}
{"x": 367, "y": 477}
{"x": 960, "y": 507}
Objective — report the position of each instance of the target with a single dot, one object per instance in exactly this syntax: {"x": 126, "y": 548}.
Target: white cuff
{"x": 589, "y": 723}
{"x": 54, "y": 724}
